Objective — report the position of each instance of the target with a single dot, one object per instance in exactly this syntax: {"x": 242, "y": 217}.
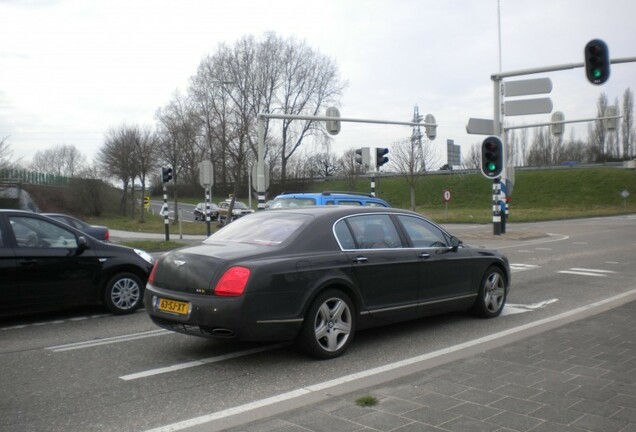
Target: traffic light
{"x": 363, "y": 156}
{"x": 359, "y": 156}
{"x": 380, "y": 159}
{"x": 492, "y": 157}
{"x": 166, "y": 174}
{"x": 597, "y": 61}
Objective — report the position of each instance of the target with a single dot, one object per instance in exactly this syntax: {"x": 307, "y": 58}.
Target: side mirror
{"x": 455, "y": 243}
{"x": 82, "y": 245}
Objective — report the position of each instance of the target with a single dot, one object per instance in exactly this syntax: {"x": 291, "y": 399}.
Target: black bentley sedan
{"x": 48, "y": 265}
{"x": 316, "y": 275}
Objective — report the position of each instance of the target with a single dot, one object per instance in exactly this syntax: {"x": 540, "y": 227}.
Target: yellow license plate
{"x": 174, "y": 306}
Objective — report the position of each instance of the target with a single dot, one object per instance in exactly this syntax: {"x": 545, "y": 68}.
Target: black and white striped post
{"x": 373, "y": 185}
{"x": 207, "y": 210}
{"x": 496, "y": 207}
{"x": 166, "y": 220}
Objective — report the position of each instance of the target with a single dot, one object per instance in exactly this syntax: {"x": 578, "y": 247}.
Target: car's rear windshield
{"x": 258, "y": 230}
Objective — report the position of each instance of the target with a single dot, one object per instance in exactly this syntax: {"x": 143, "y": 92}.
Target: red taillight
{"x": 151, "y": 278}
{"x": 233, "y": 281}
{"x": 107, "y": 235}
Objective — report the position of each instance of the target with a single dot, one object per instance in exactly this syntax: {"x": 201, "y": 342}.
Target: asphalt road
{"x": 91, "y": 371}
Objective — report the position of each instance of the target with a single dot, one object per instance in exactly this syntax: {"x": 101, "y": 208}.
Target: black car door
{"x": 386, "y": 272}
{"x": 444, "y": 273}
{"x": 49, "y": 269}
{"x": 8, "y": 279}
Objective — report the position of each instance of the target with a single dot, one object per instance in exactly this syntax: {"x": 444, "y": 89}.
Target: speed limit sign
{"x": 446, "y": 195}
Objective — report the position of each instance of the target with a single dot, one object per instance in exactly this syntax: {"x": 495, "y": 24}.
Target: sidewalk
{"x": 577, "y": 377}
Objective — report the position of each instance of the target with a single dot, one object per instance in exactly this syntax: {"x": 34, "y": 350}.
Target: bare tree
{"x": 473, "y": 160}
{"x": 116, "y": 159}
{"x": 627, "y": 125}
{"x": 324, "y": 164}
{"x": 254, "y": 76}
{"x": 62, "y": 160}
{"x": 177, "y": 141}
{"x": 309, "y": 83}
{"x": 146, "y": 153}
{"x": 5, "y": 153}
{"x": 597, "y": 135}
{"x": 350, "y": 169}
{"x": 411, "y": 160}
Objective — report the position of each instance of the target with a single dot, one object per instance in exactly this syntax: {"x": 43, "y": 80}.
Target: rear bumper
{"x": 217, "y": 317}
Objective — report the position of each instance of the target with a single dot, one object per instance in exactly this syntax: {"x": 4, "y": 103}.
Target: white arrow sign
{"x": 527, "y": 87}
{"x": 528, "y": 106}
{"x": 479, "y": 126}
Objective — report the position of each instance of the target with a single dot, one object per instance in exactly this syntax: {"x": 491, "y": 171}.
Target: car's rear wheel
{"x": 492, "y": 294}
{"x": 329, "y": 325}
{"x": 123, "y": 293}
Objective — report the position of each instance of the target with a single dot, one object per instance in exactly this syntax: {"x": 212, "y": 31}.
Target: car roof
{"x": 340, "y": 210}
{"x": 326, "y": 194}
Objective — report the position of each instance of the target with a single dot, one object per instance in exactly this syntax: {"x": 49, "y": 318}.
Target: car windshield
{"x": 239, "y": 205}
{"x": 292, "y": 202}
{"x": 269, "y": 231}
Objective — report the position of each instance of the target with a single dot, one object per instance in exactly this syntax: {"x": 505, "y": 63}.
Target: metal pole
{"x": 496, "y": 209}
{"x": 166, "y": 221}
{"x": 498, "y": 215}
{"x": 207, "y": 208}
{"x": 373, "y": 185}
{"x": 260, "y": 167}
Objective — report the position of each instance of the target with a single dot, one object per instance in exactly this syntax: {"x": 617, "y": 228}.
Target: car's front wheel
{"x": 492, "y": 294}
{"x": 329, "y": 325}
{"x": 123, "y": 293}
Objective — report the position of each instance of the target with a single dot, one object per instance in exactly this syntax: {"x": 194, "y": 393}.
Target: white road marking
{"x": 187, "y": 365}
{"x": 521, "y": 267}
{"x": 513, "y": 309}
{"x": 378, "y": 370}
{"x": 106, "y": 341}
{"x": 587, "y": 272}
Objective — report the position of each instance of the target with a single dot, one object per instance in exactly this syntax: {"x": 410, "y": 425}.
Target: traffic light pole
{"x": 496, "y": 207}
{"x": 207, "y": 208}
{"x": 166, "y": 220}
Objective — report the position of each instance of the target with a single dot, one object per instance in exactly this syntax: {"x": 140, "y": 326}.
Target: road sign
{"x": 479, "y": 126}
{"x": 146, "y": 202}
{"x": 446, "y": 195}
{"x": 333, "y": 126}
{"x": 164, "y": 210}
{"x": 557, "y": 128}
{"x": 528, "y": 106}
{"x": 527, "y": 87}
{"x": 206, "y": 174}
{"x": 255, "y": 176}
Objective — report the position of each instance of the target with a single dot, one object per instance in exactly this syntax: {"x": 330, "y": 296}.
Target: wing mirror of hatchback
{"x": 455, "y": 243}
{"x": 82, "y": 245}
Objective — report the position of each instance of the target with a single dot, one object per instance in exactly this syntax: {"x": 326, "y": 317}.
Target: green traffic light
{"x": 492, "y": 166}
{"x": 597, "y": 73}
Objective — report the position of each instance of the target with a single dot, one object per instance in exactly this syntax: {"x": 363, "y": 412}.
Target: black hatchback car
{"x": 317, "y": 274}
{"x": 46, "y": 265}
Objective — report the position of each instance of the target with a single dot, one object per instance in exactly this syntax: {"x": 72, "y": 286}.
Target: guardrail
{"x": 21, "y": 176}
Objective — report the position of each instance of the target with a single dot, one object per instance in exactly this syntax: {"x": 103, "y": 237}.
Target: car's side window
{"x": 422, "y": 233}
{"x": 32, "y": 232}
{"x": 349, "y": 202}
{"x": 374, "y": 232}
{"x": 343, "y": 234}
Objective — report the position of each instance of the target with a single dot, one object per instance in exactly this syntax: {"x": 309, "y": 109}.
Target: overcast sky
{"x": 70, "y": 70}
